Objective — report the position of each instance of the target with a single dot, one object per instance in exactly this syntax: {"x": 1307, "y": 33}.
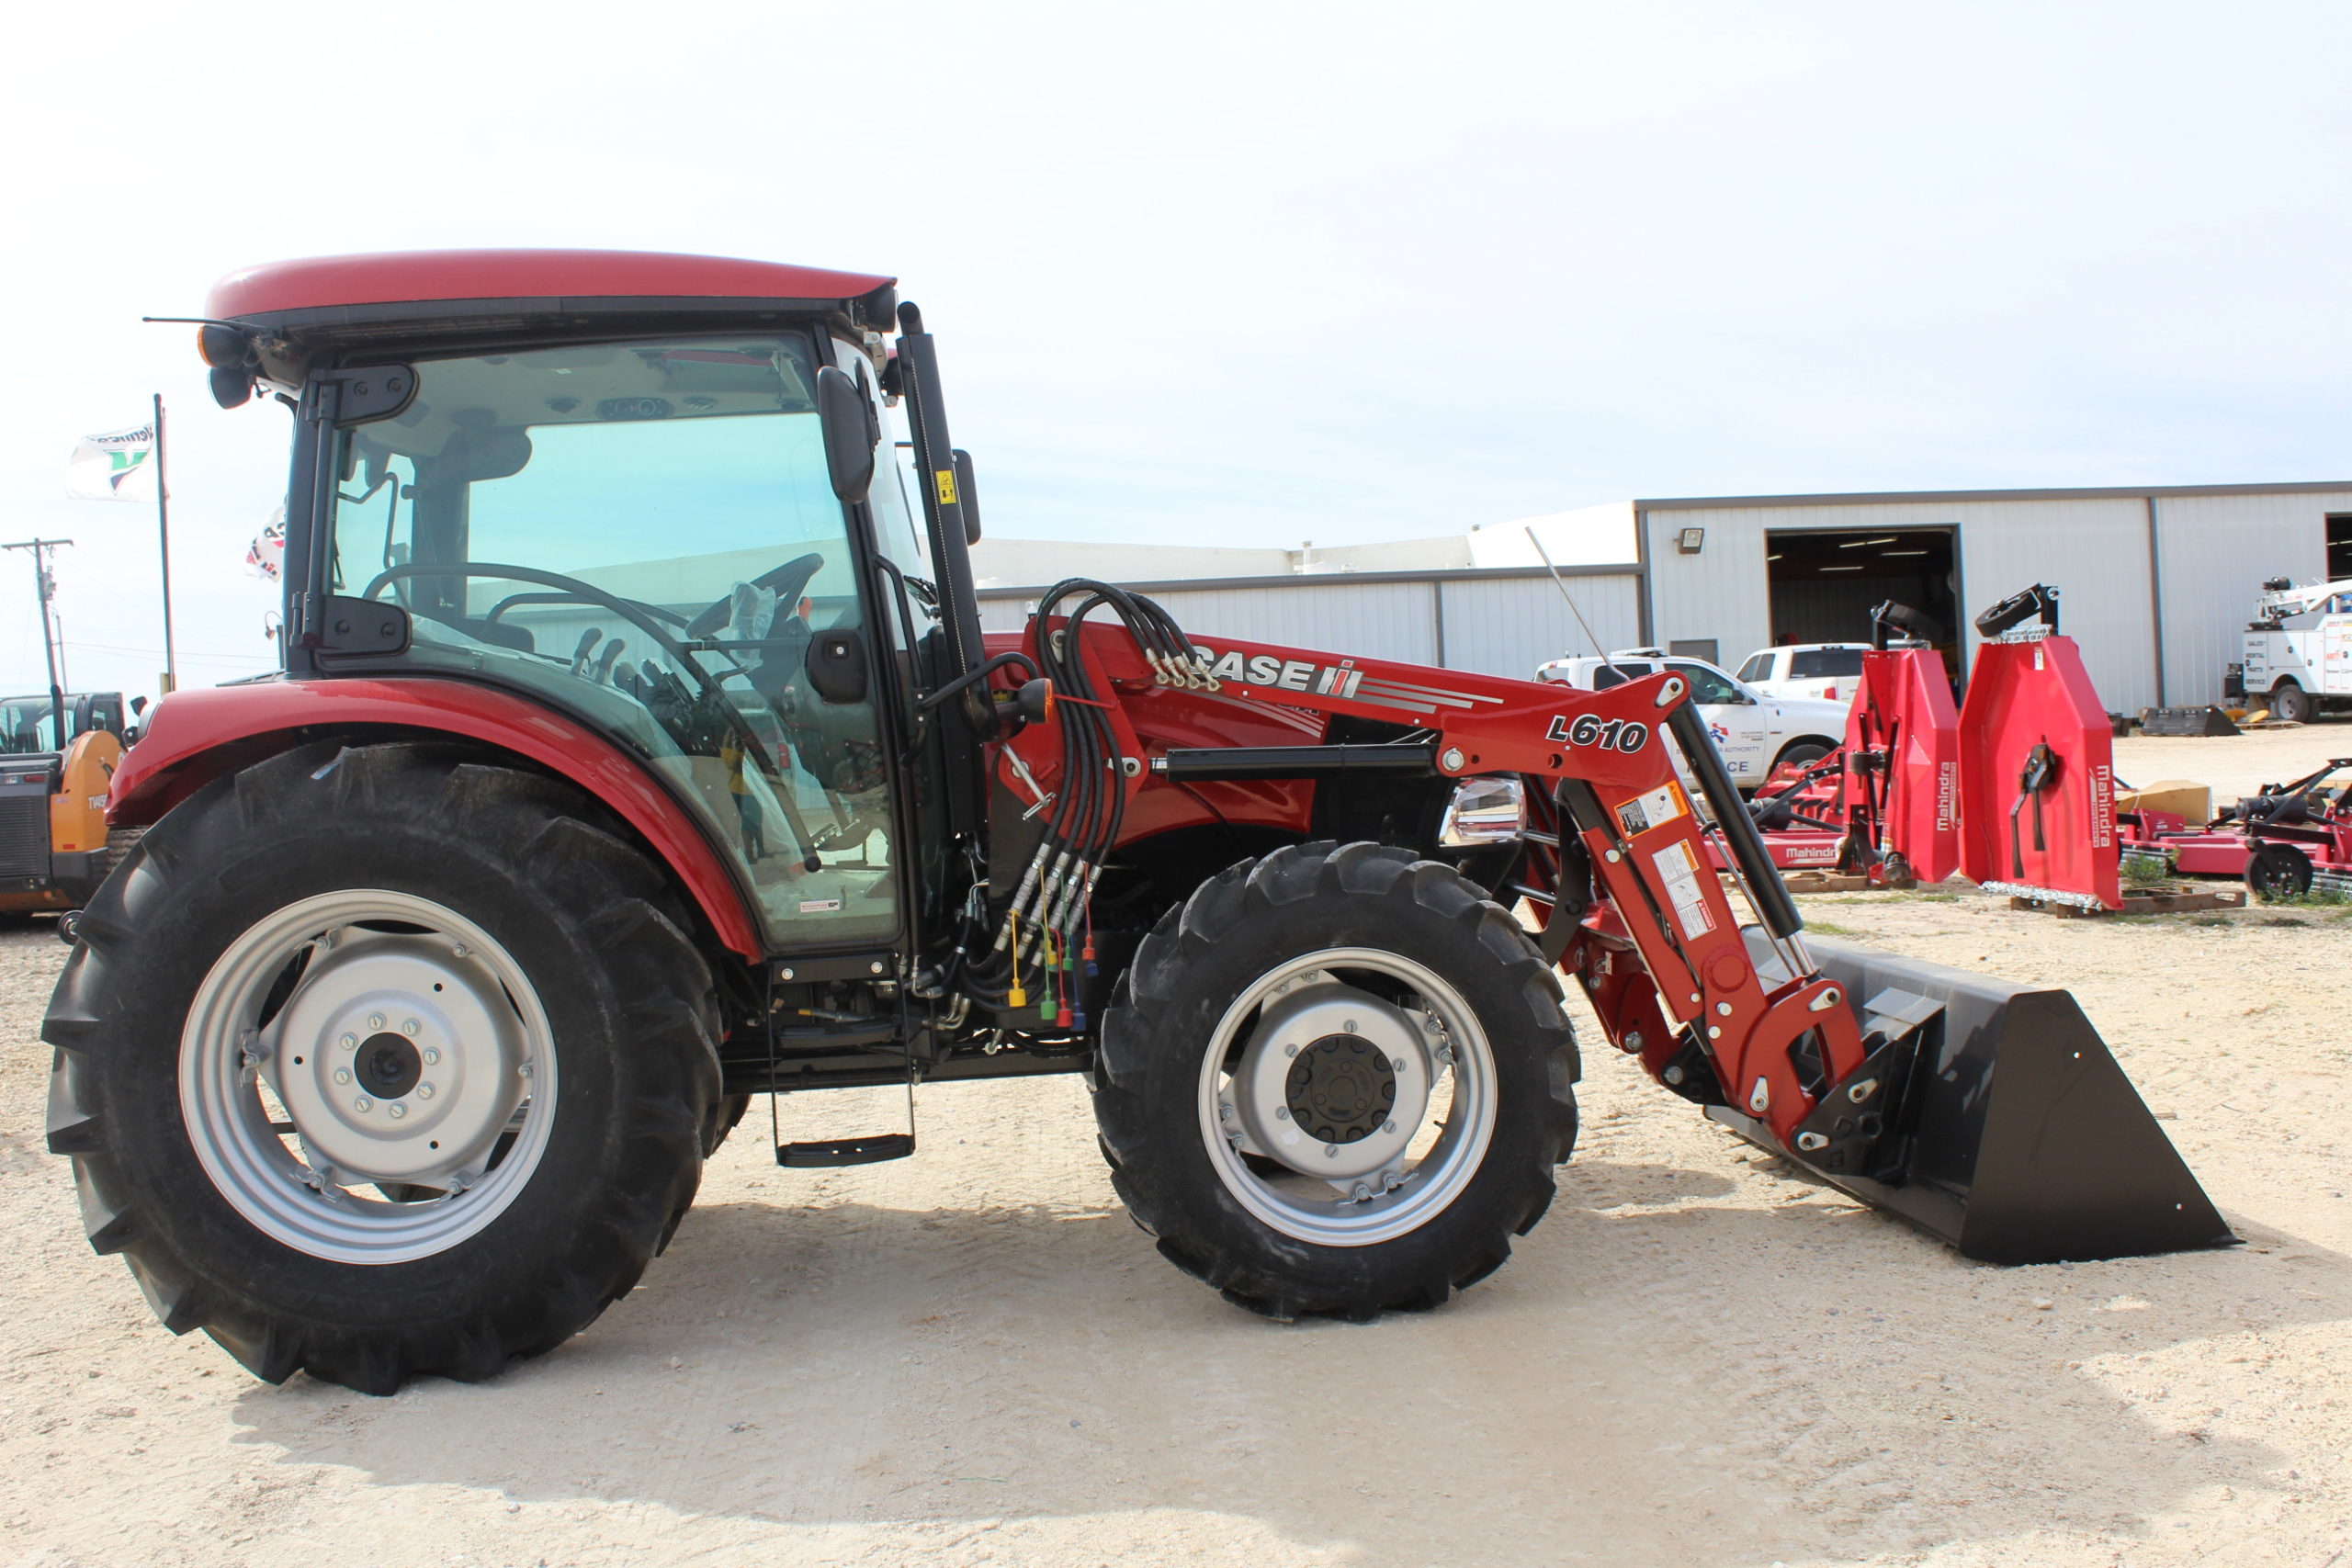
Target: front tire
{"x": 379, "y": 1061}
{"x": 1337, "y": 1080}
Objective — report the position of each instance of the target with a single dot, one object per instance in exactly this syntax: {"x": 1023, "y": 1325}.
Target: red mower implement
{"x": 1885, "y": 804}
{"x": 637, "y": 751}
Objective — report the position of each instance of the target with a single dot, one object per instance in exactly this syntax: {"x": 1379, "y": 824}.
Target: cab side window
{"x": 1707, "y": 685}
{"x": 1757, "y": 667}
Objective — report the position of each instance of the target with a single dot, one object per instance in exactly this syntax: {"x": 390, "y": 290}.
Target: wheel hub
{"x": 1334, "y": 1081}
{"x": 388, "y": 1067}
{"x": 399, "y": 1059}
{"x": 1340, "y": 1089}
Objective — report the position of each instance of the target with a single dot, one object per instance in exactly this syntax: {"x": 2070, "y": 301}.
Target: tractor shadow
{"x": 1672, "y": 1369}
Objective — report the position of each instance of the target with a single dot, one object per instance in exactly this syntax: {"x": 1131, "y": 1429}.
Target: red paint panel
{"x": 1904, "y": 708}
{"x": 192, "y": 736}
{"x": 412, "y": 276}
{"x": 2022, "y": 696}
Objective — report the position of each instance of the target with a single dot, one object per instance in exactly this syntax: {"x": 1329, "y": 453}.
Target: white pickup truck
{"x": 1755, "y": 731}
{"x": 2299, "y": 648}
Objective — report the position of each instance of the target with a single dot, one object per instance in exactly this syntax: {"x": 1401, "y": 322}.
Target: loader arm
{"x": 1654, "y": 941}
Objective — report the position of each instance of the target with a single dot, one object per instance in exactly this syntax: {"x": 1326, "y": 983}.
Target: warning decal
{"x": 1678, "y": 867}
{"x": 1641, "y": 814}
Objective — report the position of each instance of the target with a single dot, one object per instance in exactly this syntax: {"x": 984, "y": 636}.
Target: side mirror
{"x": 851, "y": 429}
{"x": 969, "y": 495}
{"x": 835, "y": 663}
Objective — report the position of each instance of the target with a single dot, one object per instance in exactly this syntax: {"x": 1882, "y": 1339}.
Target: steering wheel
{"x": 788, "y": 580}
{"x": 636, "y": 614}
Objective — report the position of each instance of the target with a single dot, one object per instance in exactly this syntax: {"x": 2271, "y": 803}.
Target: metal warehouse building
{"x": 2156, "y": 582}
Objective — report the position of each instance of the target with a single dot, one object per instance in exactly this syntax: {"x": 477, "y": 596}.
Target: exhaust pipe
{"x": 2005, "y": 1128}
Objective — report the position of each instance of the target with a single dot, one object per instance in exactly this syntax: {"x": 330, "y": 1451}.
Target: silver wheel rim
{"x": 1367, "y": 1186}
{"x": 393, "y": 1102}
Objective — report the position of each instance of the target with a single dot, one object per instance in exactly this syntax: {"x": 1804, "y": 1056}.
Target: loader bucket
{"x": 2016, "y": 1138}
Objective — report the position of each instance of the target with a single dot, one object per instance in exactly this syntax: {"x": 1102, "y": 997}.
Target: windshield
{"x": 29, "y": 724}
{"x": 644, "y": 534}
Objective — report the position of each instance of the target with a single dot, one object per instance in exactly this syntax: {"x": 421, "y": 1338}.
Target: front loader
{"x": 640, "y": 751}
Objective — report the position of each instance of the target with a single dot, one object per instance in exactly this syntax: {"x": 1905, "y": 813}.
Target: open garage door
{"x": 1825, "y": 582}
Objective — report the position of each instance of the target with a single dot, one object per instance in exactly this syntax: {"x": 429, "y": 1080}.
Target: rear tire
{"x": 2290, "y": 705}
{"x": 481, "y": 914}
{"x": 2276, "y": 872}
{"x": 1802, "y": 754}
{"x": 1373, "y": 946}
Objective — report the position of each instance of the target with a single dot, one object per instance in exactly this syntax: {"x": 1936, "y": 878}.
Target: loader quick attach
{"x": 638, "y": 752}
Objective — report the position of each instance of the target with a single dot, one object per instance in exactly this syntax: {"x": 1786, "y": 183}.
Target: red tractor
{"x": 637, "y": 750}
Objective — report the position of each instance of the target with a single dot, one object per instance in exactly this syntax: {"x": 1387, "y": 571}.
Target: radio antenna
{"x": 1562, "y": 584}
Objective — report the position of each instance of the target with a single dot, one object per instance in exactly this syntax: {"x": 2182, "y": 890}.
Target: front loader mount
{"x": 1986, "y": 1114}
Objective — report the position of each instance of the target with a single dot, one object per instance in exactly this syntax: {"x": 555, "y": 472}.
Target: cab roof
{"x": 322, "y": 288}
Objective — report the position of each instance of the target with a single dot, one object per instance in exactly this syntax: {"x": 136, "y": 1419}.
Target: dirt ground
{"x": 972, "y": 1356}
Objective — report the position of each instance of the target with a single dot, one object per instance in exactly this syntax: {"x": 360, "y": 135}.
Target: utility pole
{"x": 163, "y": 539}
{"x": 45, "y": 587}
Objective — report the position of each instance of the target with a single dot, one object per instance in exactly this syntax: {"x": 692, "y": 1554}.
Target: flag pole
{"x": 164, "y": 541}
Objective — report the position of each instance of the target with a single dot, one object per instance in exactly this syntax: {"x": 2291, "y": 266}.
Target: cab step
{"x": 823, "y": 1152}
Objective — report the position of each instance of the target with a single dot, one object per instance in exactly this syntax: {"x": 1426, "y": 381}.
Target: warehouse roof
{"x": 1866, "y": 498}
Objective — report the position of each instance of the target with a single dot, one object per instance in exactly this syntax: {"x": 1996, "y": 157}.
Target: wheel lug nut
{"x": 343, "y": 1074}
{"x": 1389, "y": 1127}
{"x": 349, "y": 1042}
{"x": 1400, "y": 1064}
{"x": 375, "y": 1021}
{"x": 399, "y": 1110}
{"x": 1331, "y": 1151}
{"x": 1282, "y": 1112}
{"x": 458, "y": 950}
{"x": 410, "y": 1028}
{"x": 525, "y": 1069}
{"x": 363, "y": 1104}
{"x": 1350, "y": 1026}
{"x": 425, "y": 1091}
{"x": 431, "y": 1055}
{"x": 1290, "y": 1050}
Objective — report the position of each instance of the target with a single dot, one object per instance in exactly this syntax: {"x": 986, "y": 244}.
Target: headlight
{"x": 1484, "y": 811}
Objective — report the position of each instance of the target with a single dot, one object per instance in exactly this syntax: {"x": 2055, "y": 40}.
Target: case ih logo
{"x": 1339, "y": 679}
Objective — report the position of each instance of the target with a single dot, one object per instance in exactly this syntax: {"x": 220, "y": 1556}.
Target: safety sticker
{"x": 1678, "y": 867}
{"x": 1641, "y": 814}
{"x": 820, "y": 906}
{"x": 945, "y": 480}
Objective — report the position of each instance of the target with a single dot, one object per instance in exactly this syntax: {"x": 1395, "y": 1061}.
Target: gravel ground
{"x": 972, "y": 1356}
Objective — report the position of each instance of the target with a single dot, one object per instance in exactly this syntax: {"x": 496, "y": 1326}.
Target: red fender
{"x": 192, "y": 738}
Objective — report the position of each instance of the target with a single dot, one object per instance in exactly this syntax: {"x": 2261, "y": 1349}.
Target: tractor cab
{"x": 625, "y": 510}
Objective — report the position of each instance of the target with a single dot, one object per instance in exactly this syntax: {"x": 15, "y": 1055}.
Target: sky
{"x": 1239, "y": 274}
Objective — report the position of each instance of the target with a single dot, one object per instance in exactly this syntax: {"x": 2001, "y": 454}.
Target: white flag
{"x": 265, "y": 557}
{"x": 117, "y": 466}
